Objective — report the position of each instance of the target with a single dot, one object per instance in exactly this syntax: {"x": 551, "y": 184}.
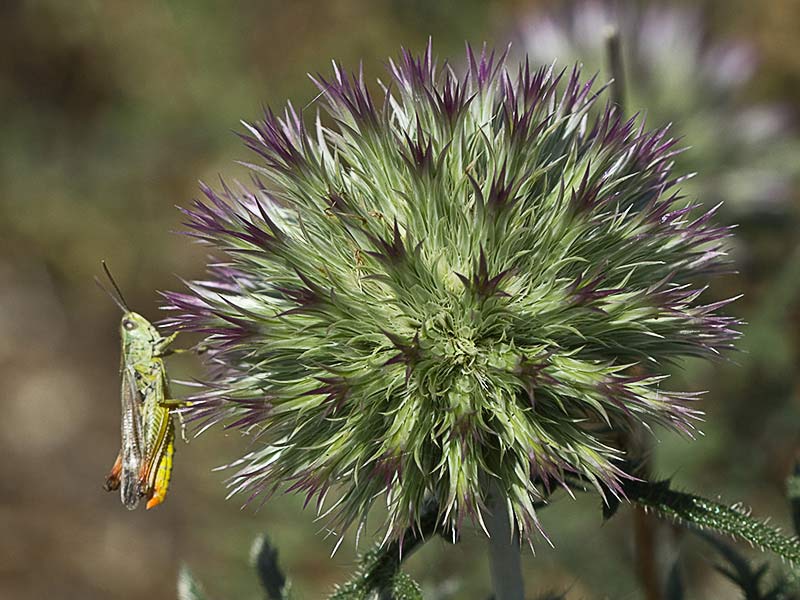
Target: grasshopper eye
{"x": 128, "y": 325}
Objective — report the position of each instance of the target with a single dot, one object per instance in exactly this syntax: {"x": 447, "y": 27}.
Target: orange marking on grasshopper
{"x": 112, "y": 479}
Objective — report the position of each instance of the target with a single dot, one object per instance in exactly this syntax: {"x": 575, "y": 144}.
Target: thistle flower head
{"x": 676, "y": 74}
{"x": 446, "y": 288}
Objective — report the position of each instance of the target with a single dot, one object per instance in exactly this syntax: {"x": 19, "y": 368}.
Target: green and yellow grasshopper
{"x": 144, "y": 463}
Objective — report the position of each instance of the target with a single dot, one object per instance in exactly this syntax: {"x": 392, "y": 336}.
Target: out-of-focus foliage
{"x": 112, "y": 111}
{"x": 188, "y": 587}
{"x": 755, "y": 580}
{"x": 793, "y": 493}
{"x": 674, "y": 74}
{"x": 264, "y": 556}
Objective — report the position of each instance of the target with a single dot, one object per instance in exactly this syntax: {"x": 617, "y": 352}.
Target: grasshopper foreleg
{"x": 162, "y": 347}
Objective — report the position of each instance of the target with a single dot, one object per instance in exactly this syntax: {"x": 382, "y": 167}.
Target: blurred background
{"x": 114, "y": 110}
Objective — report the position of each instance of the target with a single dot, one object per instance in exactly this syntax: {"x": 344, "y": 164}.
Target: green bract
{"x": 468, "y": 280}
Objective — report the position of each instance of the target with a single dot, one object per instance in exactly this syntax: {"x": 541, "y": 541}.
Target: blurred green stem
{"x": 616, "y": 67}
{"x": 504, "y": 548}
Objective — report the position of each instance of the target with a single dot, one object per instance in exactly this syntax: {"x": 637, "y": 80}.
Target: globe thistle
{"x": 675, "y": 74}
{"x": 448, "y": 289}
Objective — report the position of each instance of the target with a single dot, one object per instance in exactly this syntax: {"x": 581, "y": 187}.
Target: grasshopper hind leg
{"x": 130, "y": 491}
{"x": 163, "y": 473}
{"x": 113, "y": 478}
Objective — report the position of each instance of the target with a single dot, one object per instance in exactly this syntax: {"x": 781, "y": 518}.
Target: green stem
{"x": 504, "y": 549}
{"x": 616, "y": 68}
{"x": 698, "y": 512}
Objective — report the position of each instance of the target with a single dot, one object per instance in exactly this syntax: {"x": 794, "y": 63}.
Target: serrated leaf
{"x": 750, "y": 578}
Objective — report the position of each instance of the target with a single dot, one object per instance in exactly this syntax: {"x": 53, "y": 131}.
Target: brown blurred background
{"x": 112, "y": 111}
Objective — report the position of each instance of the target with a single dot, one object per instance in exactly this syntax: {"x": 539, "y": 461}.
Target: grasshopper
{"x": 144, "y": 463}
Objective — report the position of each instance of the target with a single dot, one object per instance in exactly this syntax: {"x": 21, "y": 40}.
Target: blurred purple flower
{"x": 747, "y": 154}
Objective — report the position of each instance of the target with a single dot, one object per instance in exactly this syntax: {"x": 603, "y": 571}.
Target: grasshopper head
{"x": 134, "y": 327}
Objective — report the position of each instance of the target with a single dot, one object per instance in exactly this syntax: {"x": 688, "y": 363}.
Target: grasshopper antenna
{"x": 118, "y": 298}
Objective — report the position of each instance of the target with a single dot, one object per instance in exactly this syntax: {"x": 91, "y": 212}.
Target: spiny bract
{"x": 469, "y": 280}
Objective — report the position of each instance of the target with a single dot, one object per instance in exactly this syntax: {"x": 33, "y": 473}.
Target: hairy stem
{"x": 706, "y": 514}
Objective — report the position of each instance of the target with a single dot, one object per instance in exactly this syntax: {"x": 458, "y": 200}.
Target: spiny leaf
{"x": 699, "y": 512}
{"x": 749, "y": 577}
{"x": 405, "y": 588}
{"x": 379, "y": 569}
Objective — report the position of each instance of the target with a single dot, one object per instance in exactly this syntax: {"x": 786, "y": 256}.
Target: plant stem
{"x": 698, "y": 512}
{"x": 645, "y": 543}
{"x": 638, "y": 448}
{"x": 504, "y": 548}
{"x": 616, "y": 67}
